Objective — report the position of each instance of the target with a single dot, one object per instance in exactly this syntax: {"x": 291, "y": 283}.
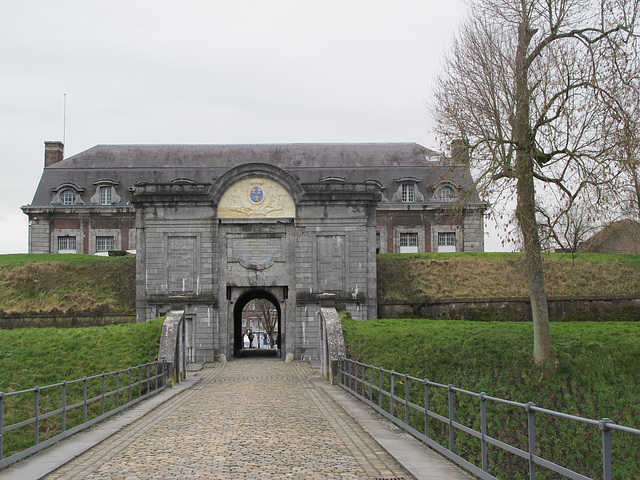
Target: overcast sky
{"x": 234, "y": 71}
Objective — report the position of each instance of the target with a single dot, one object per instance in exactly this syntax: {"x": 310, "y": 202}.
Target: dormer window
{"x": 105, "y": 195}
{"x": 67, "y": 197}
{"x": 446, "y": 193}
{"x": 408, "y": 192}
{"x": 67, "y": 194}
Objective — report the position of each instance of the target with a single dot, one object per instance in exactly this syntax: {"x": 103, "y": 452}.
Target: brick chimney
{"x": 459, "y": 152}
{"x": 53, "y": 153}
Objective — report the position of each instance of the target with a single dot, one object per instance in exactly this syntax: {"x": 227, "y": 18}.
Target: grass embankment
{"x": 43, "y": 356}
{"x": 417, "y": 277}
{"x": 595, "y": 374}
{"x": 67, "y": 284}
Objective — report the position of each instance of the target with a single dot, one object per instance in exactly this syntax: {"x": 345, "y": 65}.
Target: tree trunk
{"x": 526, "y": 207}
{"x": 526, "y": 213}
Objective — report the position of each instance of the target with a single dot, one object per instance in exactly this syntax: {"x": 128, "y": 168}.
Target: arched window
{"x": 67, "y": 197}
{"x": 446, "y": 193}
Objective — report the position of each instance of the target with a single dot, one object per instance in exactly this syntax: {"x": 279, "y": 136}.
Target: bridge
{"x": 251, "y": 418}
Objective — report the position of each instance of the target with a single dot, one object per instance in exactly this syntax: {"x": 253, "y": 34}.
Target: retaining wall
{"x": 8, "y": 322}
{"x": 621, "y": 308}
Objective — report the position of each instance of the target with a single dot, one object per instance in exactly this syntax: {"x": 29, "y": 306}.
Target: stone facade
{"x": 217, "y": 226}
{"x": 190, "y": 257}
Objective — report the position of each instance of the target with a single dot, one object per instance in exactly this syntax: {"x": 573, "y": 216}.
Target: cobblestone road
{"x": 247, "y": 419}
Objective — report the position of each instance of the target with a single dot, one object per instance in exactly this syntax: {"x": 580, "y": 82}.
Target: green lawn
{"x": 31, "y": 357}
{"x": 595, "y": 373}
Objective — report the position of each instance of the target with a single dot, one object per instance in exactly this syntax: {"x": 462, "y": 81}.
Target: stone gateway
{"x": 217, "y": 226}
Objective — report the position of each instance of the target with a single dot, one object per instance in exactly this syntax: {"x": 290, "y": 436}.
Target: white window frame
{"x": 105, "y": 194}
{"x": 446, "y": 239}
{"x": 67, "y": 196}
{"x": 457, "y": 230}
{"x": 409, "y": 242}
{"x": 69, "y": 242}
{"x": 104, "y": 232}
{"x": 408, "y": 192}
{"x": 105, "y": 238}
{"x": 447, "y": 193}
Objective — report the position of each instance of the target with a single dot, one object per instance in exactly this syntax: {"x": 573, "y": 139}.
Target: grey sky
{"x": 242, "y": 71}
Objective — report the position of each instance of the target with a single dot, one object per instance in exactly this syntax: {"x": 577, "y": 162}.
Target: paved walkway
{"x": 253, "y": 419}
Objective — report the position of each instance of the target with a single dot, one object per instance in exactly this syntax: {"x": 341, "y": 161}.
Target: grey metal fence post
{"x": 85, "y": 400}
{"x": 1, "y": 423}
{"x": 606, "y": 448}
{"x": 130, "y": 396}
{"x": 380, "y": 385}
{"x": 139, "y": 381}
{"x": 64, "y": 406}
{"x": 356, "y": 377}
{"x": 102, "y": 401}
{"x": 350, "y": 376}
{"x": 451, "y": 415}
{"x": 483, "y": 431}
{"x": 36, "y": 430}
{"x": 165, "y": 372}
{"x": 426, "y": 408}
{"x": 117, "y": 388}
{"x": 531, "y": 420}
{"x": 371, "y": 383}
{"x": 392, "y": 391}
{"x": 406, "y": 399}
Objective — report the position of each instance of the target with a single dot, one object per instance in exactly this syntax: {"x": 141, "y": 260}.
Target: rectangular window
{"x": 67, "y": 244}
{"x": 409, "y": 242}
{"x": 446, "y": 242}
{"x": 408, "y": 192}
{"x": 377, "y": 242}
{"x": 104, "y": 244}
{"x": 105, "y": 195}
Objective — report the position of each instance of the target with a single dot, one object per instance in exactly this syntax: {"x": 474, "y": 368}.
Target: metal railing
{"x": 408, "y": 402}
{"x": 57, "y": 411}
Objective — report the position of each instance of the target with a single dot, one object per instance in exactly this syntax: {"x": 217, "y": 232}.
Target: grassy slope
{"x": 595, "y": 375}
{"x": 45, "y": 356}
{"x": 67, "y": 284}
{"x": 85, "y": 283}
{"x": 469, "y": 275}
{"x": 40, "y": 356}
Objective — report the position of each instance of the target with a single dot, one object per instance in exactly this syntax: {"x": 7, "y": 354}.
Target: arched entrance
{"x": 240, "y": 320}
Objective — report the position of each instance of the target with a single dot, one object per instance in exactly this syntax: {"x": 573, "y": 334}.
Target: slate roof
{"x": 353, "y": 162}
{"x": 622, "y": 236}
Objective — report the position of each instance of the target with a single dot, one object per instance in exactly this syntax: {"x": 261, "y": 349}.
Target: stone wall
{"x": 9, "y": 322}
{"x": 518, "y": 309}
{"x": 209, "y": 249}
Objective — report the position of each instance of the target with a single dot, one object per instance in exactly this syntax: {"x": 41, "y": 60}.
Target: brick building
{"x": 82, "y": 204}
{"x": 217, "y": 226}
{"x": 622, "y": 236}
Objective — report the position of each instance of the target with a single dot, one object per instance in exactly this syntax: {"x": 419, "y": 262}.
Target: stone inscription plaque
{"x": 256, "y": 252}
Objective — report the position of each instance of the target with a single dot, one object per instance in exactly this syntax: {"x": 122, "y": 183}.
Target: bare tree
{"x": 567, "y": 226}
{"x": 268, "y": 318}
{"x": 530, "y": 87}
